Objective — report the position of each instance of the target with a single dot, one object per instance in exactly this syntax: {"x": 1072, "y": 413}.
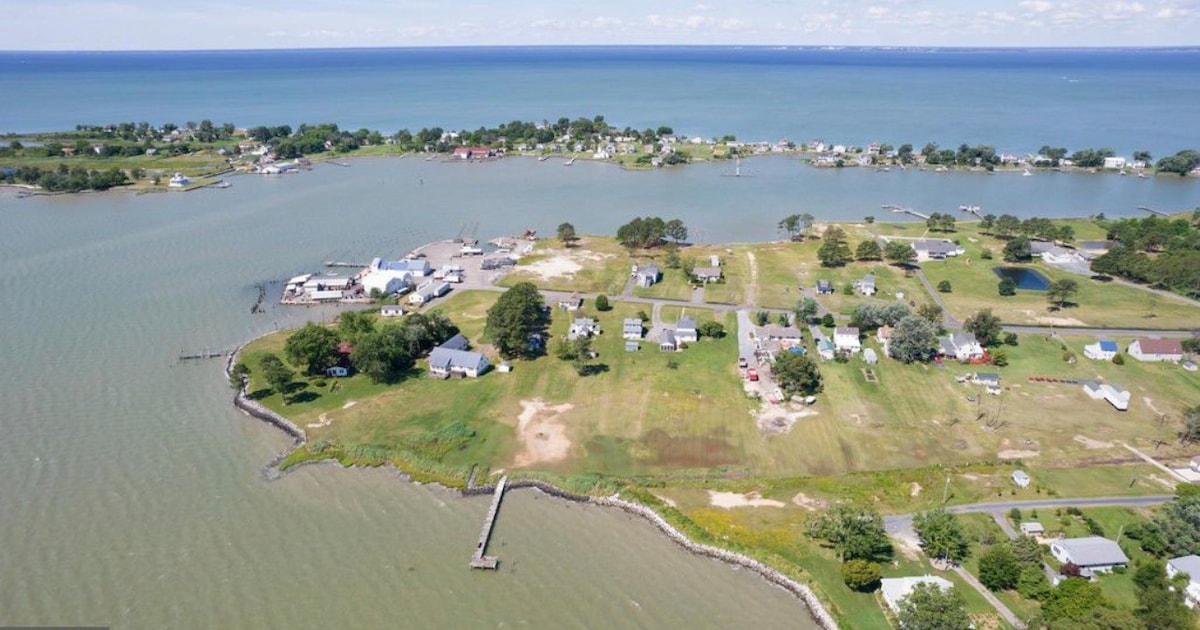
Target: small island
{"x": 146, "y": 158}
{"x": 766, "y": 398}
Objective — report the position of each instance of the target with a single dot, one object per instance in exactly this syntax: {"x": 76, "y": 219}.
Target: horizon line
{"x": 826, "y": 47}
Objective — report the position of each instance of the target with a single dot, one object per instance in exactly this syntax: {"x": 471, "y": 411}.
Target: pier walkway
{"x": 478, "y": 559}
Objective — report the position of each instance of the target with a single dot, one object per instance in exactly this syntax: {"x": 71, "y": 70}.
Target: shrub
{"x": 827, "y": 321}
{"x": 861, "y": 575}
{"x": 1007, "y": 287}
{"x": 1032, "y": 584}
{"x": 944, "y": 286}
{"x": 1010, "y": 339}
{"x": 1015, "y": 515}
{"x": 1118, "y": 359}
{"x": 986, "y": 255}
{"x": 1068, "y": 357}
{"x": 602, "y": 303}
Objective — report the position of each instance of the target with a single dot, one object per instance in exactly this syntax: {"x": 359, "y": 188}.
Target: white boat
{"x": 569, "y": 162}
{"x": 1141, "y": 175}
{"x": 737, "y": 169}
{"x": 1026, "y": 173}
{"x": 543, "y": 158}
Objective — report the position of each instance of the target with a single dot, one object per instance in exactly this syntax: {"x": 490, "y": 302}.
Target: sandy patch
{"x": 562, "y": 264}
{"x": 812, "y": 505}
{"x": 1150, "y": 405}
{"x": 349, "y": 404}
{"x": 323, "y": 420}
{"x": 908, "y": 545}
{"x": 732, "y": 499}
{"x": 1090, "y": 443}
{"x": 1016, "y": 454}
{"x": 543, "y": 436}
{"x": 1166, "y": 483}
{"x": 914, "y": 489}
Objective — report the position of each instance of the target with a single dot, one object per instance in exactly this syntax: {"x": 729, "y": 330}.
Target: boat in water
{"x": 543, "y": 158}
{"x": 569, "y": 162}
{"x": 1026, "y": 173}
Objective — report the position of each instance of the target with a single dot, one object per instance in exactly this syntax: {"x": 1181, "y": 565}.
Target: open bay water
{"x": 131, "y": 489}
{"x": 1015, "y": 99}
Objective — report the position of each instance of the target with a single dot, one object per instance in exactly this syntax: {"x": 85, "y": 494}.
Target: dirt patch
{"x": 543, "y": 436}
{"x": 1166, "y": 483}
{"x": 914, "y": 489}
{"x": 687, "y": 451}
{"x": 1150, "y": 405}
{"x": 729, "y": 500}
{"x": 778, "y": 419}
{"x": 562, "y": 264}
{"x": 1016, "y": 454}
{"x": 1047, "y": 320}
{"x": 323, "y": 420}
{"x": 349, "y": 404}
{"x": 1090, "y": 443}
{"x": 812, "y": 505}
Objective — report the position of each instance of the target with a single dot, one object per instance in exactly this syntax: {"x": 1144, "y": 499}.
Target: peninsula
{"x": 145, "y": 158}
{"x": 759, "y": 397}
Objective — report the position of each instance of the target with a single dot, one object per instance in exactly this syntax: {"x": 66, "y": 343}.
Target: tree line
{"x": 1157, "y": 251}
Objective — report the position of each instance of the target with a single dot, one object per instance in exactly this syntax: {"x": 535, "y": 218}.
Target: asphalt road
{"x": 901, "y": 523}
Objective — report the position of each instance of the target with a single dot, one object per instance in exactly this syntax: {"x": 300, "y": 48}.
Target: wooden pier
{"x": 339, "y": 263}
{"x": 898, "y": 209}
{"x": 478, "y": 560}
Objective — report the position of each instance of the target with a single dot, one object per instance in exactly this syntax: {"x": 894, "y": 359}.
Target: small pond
{"x": 1026, "y": 279}
{"x": 1096, "y": 244}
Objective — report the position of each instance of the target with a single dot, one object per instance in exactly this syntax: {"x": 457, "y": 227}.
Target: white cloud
{"x": 1036, "y": 6}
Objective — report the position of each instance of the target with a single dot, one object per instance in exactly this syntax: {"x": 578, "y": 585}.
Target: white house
{"x": 583, "y": 327}
{"x": 706, "y": 274}
{"x": 1101, "y": 350}
{"x": 1114, "y": 162}
{"x": 386, "y": 282}
{"x": 685, "y": 330}
{"x": 895, "y": 590}
{"x": 961, "y": 346}
{"x": 1116, "y": 395}
{"x": 445, "y": 361}
{"x": 1021, "y": 478}
{"x": 936, "y": 249}
{"x": 1191, "y": 566}
{"x": 884, "y": 334}
{"x": 571, "y": 303}
{"x": 646, "y": 276}
{"x": 1157, "y": 350}
{"x": 1093, "y": 554}
{"x": 667, "y": 342}
{"x": 179, "y": 180}
{"x": 1054, "y": 254}
{"x": 416, "y": 266}
{"x": 391, "y": 310}
{"x": 865, "y": 286}
{"x": 845, "y": 339}
{"x": 631, "y": 329}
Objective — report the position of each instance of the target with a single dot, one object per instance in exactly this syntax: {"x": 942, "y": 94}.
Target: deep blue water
{"x": 1016, "y": 99}
{"x": 1025, "y": 278}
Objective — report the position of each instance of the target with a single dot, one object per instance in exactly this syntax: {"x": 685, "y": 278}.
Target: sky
{"x": 242, "y": 24}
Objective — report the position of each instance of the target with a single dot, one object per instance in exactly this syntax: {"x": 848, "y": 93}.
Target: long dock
{"x": 478, "y": 559}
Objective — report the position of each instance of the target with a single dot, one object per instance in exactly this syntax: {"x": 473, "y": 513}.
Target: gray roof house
{"x": 667, "y": 342}
{"x": 1032, "y": 528}
{"x": 685, "y": 330}
{"x": 961, "y": 346}
{"x": 991, "y": 379}
{"x": 646, "y": 275}
{"x": 444, "y": 361}
{"x": 866, "y": 285}
{"x": 1191, "y": 566}
{"x": 1091, "y": 553}
{"x": 583, "y": 327}
{"x": 935, "y": 249}
{"x": 706, "y": 274}
{"x": 457, "y": 342}
{"x": 631, "y": 329}
{"x": 824, "y": 287}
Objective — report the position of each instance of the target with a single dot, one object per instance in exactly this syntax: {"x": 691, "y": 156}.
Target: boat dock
{"x": 339, "y": 263}
{"x": 1158, "y": 213}
{"x": 478, "y": 560}
{"x": 900, "y": 210}
{"x": 972, "y": 210}
{"x": 204, "y": 354}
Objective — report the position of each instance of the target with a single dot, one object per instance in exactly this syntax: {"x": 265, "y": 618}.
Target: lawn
{"x": 983, "y": 532}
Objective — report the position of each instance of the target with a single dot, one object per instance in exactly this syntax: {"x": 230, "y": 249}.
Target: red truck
{"x": 752, "y": 374}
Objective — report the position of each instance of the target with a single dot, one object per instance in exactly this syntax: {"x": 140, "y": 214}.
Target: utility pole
{"x": 946, "y": 491}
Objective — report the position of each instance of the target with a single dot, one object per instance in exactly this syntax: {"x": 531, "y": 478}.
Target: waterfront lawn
{"x": 593, "y": 264}
{"x": 779, "y": 269}
{"x": 737, "y": 280}
{"x": 889, "y": 280}
{"x": 673, "y": 285}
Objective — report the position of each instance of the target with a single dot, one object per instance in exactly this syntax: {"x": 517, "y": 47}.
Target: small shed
{"x": 1021, "y": 478}
{"x": 1032, "y": 528}
{"x": 337, "y": 371}
{"x": 632, "y": 346}
{"x": 504, "y": 366}
{"x": 870, "y": 357}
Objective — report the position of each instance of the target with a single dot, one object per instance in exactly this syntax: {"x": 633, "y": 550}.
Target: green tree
{"x": 929, "y": 607}
{"x": 354, "y": 324}
{"x": 834, "y": 251}
{"x": 869, "y": 219}
{"x": 512, "y": 321}
{"x": 861, "y": 575}
{"x": 868, "y": 250}
{"x": 899, "y": 253}
{"x": 1018, "y": 250}
{"x": 1061, "y": 291}
{"x": 582, "y": 354}
{"x": 384, "y": 355}
{"x": 1158, "y": 601}
{"x": 827, "y": 320}
{"x": 795, "y": 374}
{"x": 942, "y": 535}
{"x": 854, "y": 531}
{"x": 602, "y": 304}
{"x": 790, "y": 225}
{"x": 912, "y": 339}
{"x": 1033, "y": 584}
{"x": 712, "y": 329}
{"x": 1179, "y": 522}
{"x": 1006, "y": 225}
{"x": 761, "y": 318}
{"x": 676, "y": 230}
{"x": 944, "y": 286}
{"x": 238, "y": 375}
{"x": 999, "y": 569}
{"x": 1073, "y": 598}
{"x": 985, "y": 326}
{"x": 1006, "y": 287}
{"x": 277, "y": 375}
{"x": 642, "y": 232}
{"x": 566, "y": 233}
{"x": 931, "y": 312}
{"x": 807, "y": 309}
{"x": 313, "y": 347}
{"x": 1191, "y": 425}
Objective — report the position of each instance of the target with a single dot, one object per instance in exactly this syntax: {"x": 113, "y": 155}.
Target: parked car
{"x": 742, "y": 362}
{"x": 752, "y": 374}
